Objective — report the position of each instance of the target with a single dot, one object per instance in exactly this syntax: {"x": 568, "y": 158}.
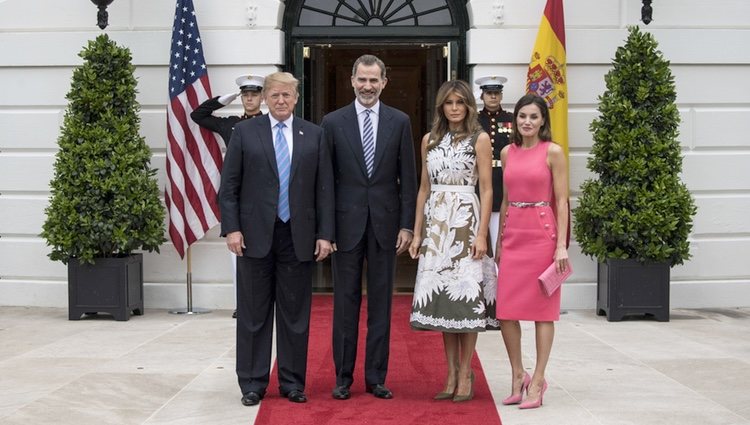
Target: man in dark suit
{"x": 276, "y": 193}
{"x": 374, "y": 169}
{"x": 250, "y": 93}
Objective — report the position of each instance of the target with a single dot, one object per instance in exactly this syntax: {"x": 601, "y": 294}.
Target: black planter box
{"x": 628, "y": 287}
{"x": 110, "y": 285}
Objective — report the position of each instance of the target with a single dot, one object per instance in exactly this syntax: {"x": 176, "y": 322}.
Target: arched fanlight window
{"x": 374, "y": 13}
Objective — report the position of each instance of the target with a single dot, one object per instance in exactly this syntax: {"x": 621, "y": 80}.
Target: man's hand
{"x": 403, "y": 241}
{"x": 235, "y": 243}
{"x": 323, "y": 249}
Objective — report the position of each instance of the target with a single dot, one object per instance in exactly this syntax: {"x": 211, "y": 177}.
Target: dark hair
{"x": 545, "y": 132}
{"x": 368, "y": 60}
{"x": 440, "y": 123}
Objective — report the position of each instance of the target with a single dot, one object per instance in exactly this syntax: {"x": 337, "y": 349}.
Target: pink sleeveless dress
{"x": 529, "y": 238}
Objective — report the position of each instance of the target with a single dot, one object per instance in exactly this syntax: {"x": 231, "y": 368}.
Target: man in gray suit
{"x": 374, "y": 169}
{"x": 276, "y": 194}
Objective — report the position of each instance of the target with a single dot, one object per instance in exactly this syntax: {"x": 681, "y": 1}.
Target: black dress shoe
{"x": 251, "y": 399}
{"x": 234, "y": 314}
{"x": 295, "y": 396}
{"x": 380, "y": 391}
{"x": 342, "y": 392}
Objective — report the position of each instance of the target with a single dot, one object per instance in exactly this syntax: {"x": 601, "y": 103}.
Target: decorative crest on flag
{"x": 546, "y": 78}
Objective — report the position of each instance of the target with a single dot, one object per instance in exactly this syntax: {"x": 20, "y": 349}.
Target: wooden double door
{"x": 414, "y": 72}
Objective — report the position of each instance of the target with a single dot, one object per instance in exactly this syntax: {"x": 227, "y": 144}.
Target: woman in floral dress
{"x": 456, "y": 280}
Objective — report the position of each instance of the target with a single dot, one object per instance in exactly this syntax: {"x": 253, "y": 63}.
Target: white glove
{"x": 228, "y": 98}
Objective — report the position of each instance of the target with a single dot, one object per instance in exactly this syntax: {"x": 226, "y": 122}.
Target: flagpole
{"x": 189, "y": 277}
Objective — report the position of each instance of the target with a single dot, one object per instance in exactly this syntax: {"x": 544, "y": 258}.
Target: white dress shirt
{"x": 374, "y": 119}
{"x": 288, "y": 135}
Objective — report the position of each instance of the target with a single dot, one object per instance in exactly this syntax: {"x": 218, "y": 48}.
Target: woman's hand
{"x": 479, "y": 248}
{"x": 416, "y": 243}
{"x": 561, "y": 259}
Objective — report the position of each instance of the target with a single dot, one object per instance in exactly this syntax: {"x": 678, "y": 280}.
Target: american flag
{"x": 193, "y": 155}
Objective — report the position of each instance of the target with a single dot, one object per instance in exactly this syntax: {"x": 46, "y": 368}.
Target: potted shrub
{"x": 105, "y": 200}
{"x": 635, "y": 218}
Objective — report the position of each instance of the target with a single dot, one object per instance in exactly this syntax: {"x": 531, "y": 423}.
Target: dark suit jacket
{"x": 389, "y": 196}
{"x": 203, "y": 116}
{"x": 250, "y": 187}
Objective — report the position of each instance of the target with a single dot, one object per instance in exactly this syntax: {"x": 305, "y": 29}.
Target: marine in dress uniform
{"x": 497, "y": 123}
{"x": 250, "y": 92}
{"x": 250, "y": 88}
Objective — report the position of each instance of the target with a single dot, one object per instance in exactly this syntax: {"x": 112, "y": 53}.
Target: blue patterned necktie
{"x": 368, "y": 142}
{"x": 282, "y": 164}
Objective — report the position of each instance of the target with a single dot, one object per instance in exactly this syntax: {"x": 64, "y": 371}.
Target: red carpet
{"x": 416, "y": 372}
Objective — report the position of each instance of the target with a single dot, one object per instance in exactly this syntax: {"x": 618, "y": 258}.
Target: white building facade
{"x": 706, "y": 43}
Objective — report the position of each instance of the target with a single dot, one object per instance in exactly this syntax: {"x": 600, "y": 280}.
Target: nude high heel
{"x": 443, "y": 396}
{"x": 446, "y": 395}
{"x": 460, "y": 398}
{"x": 515, "y": 399}
{"x": 537, "y": 403}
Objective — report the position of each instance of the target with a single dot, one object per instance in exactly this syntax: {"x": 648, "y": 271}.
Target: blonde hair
{"x": 440, "y": 126}
{"x": 280, "y": 79}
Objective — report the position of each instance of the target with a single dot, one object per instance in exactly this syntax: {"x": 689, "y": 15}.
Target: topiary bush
{"x": 105, "y": 199}
{"x": 638, "y": 207}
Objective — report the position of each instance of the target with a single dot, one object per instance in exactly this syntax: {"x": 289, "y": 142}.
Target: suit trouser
{"x": 277, "y": 280}
{"x": 347, "y": 298}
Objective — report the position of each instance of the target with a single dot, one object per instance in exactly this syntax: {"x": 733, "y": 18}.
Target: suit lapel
{"x": 385, "y": 130}
{"x": 266, "y": 141}
{"x": 354, "y": 139}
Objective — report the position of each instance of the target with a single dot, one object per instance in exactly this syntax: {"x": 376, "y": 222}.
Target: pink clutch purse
{"x": 551, "y": 280}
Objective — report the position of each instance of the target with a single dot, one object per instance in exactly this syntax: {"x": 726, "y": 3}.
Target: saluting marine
{"x": 250, "y": 93}
{"x": 497, "y": 123}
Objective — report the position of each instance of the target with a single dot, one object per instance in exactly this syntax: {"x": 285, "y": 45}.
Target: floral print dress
{"x": 453, "y": 292}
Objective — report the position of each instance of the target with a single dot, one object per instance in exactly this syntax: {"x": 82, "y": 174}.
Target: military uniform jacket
{"x": 498, "y": 126}
{"x": 203, "y": 116}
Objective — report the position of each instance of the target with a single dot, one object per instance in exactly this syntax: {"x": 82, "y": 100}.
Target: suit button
{"x": 546, "y": 226}
{"x": 542, "y": 213}
{"x": 553, "y": 236}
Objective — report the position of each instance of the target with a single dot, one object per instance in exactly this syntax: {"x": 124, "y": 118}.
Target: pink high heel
{"x": 515, "y": 399}
{"x": 537, "y": 403}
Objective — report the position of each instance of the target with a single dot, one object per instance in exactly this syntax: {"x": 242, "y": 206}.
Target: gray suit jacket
{"x": 248, "y": 196}
{"x": 389, "y": 196}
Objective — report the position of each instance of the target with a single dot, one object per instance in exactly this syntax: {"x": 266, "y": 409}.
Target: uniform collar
{"x": 246, "y": 116}
{"x": 492, "y": 114}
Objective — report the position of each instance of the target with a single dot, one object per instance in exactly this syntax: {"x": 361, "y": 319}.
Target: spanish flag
{"x": 547, "y": 70}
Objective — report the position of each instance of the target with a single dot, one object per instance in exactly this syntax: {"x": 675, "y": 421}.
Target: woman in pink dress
{"x": 534, "y": 225}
